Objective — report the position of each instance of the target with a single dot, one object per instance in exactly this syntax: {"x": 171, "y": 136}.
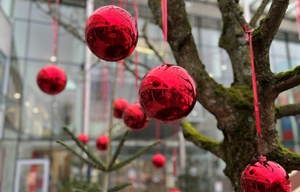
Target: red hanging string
{"x": 164, "y": 10}
{"x": 254, "y": 85}
{"x": 136, "y": 10}
{"x": 297, "y": 8}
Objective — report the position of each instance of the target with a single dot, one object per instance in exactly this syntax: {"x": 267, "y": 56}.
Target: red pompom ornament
{"x": 158, "y": 160}
{"x": 167, "y": 93}
{"x": 111, "y": 33}
{"x": 119, "y": 106}
{"x": 102, "y": 142}
{"x": 174, "y": 190}
{"x": 83, "y": 138}
{"x": 265, "y": 176}
{"x": 51, "y": 79}
{"x": 135, "y": 118}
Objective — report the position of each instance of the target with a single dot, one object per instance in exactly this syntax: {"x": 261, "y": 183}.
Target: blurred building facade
{"x": 31, "y": 121}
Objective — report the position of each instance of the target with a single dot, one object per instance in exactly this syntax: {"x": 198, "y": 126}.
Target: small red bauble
{"x": 174, "y": 190}
{"x": 119, "y": 106}
{"x": 135, "y": 118}
{"x": 167, "y": 93}
{"x": 51, "y": 79}
{"x": 102, "y": 142}
{"x": 111, "y": 33}
{"x": 83, "y": 138}
{"x": 265, "y": 176}
{"x": 158, "y": 160}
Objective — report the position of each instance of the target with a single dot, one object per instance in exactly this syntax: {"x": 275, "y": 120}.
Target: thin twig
{"x": 144, "y": 30}
{"x": 258, "y": 13}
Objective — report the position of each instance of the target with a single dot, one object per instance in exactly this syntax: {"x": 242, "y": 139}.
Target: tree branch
{"x": 144, "y": 30}
{"x": 184, "y": 49}
{"x": 270, "y": 24}
{"x": 258, "y": 13}
{"x": 66, "y": 25}
{"x": 206, "y": 143}
{"x": 238, "y": 14}
{"x": 287, "y": 159}
{"x": 287, "y": 110}
{"x": 286, "y": 80}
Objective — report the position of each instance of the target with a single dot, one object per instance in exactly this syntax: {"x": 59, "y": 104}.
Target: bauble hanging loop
{"x": 51, "y": 79}
{"x": 167, "y": 93}
{"x": 265, "y": 176}
{"x": 111, "y": 33}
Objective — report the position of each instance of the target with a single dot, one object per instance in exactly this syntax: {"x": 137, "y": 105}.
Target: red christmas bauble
{"x": 265, "y": 176}
{"x": 119, "y": 106}
{"x": 158, "y": 160}
{"x": 174, "y": 190}
{"x": 167, "y": 93}
{"x": 51, "y": 79}
{"x": 83, "y": 138}
{"x": 135, "y": 118}
{"x": 111, "y": 33}
{"x": 102, "y": 142}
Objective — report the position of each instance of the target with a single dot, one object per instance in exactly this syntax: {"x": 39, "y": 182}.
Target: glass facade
{"x": 33, "y": 120}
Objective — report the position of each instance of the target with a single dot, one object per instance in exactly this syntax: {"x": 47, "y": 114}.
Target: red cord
{"x": 297, "y": 8}
{"x": 136, "y": 10}
{"x": 164, "y": 10}
{"x": 254, "y": 85}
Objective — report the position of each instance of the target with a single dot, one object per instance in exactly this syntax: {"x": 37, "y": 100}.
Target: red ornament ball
{"x": 135, "y": 118}
{"x": 51, "y": 79}
{"x": 102, "y": 142}
{"x": 158, "y": 160}
{"x": 174, "y": 190}
{"x": 83, "y": 138}
{"x": 265, "y": 176}
{"x": 167, "y": 93}
{"x": 111, "y": 33}
{"x": 119, "y": 106}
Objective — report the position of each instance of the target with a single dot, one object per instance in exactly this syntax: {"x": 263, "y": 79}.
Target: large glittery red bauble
{"x": 174, "y": 190}
{"x": 167, "y": 93}
{"x": 135, "y": 118}
{"x": 265, "y": 176}
{"x": 119, "y": 106}
{"x": 83, "y": 138}
{"x": 158, "y": 160}
{"x": 102, "y": 142}
{"x": 111, "y": 33}
{"x": 51, "y": 79}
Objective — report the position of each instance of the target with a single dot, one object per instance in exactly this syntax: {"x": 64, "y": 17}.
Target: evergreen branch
{"x": 133, "y": 157}
{"x": 206, "y": 143}
{"x": 286, "y": 80}
{"x": 119, "y": 187}
{"x": 118, "y": 150}
{"x": 77, "y": 154}
{"x": 83, "y": 148}
{"x": 258, "y": 13}
{"x": 287, "y": 110}
{"x": 144, "y": 30}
